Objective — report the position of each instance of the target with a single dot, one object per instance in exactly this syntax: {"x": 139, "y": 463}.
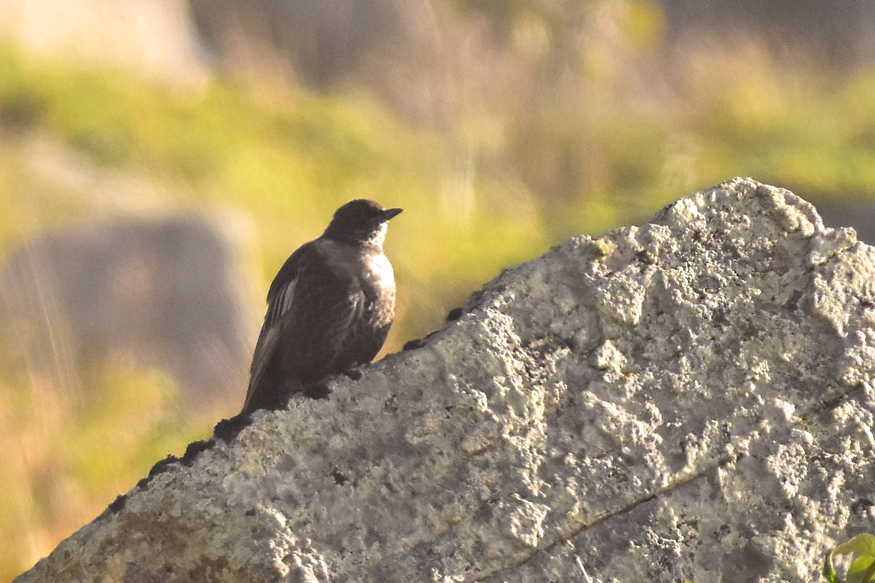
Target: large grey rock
{"x": 686, "y": 400}
{"x": 163, "y": 293}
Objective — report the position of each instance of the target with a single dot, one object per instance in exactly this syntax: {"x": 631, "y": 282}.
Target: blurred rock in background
{"x": 320, "y": 42}
{"x": 153, "y": 293}
{"x": 859, "y": 214}
{"x": 154, "y": 38}
{"x": 838, "y": 33}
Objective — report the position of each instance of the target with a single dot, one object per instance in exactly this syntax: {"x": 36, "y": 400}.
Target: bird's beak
{"x": 389, "y": 213}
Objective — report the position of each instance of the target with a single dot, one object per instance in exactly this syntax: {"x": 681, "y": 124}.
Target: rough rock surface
{"x": 687, "y": 400}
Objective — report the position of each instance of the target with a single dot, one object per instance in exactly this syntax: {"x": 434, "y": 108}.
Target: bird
{"x": 329, "y": 308}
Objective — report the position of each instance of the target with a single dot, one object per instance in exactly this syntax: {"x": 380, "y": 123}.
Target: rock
{"x": 323, "y": 42}
{"x": 837, "y": 34}
{"x": 153, "y": 39}
{"x": 162, "y": 293}
{"x": 687, "y": 400}
{"x": 857, "y": 212}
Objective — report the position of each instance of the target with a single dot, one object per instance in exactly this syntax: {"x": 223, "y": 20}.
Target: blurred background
{"x": 159, "y": 160}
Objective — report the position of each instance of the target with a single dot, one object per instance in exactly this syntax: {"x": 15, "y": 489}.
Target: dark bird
{"x": 328, "y": 309}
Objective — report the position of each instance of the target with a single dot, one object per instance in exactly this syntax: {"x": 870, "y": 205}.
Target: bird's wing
{"x": 312, "y": 305}
{"x": 327, "y": 303}
{"x": 323, "y": 322}
{"x": 279, "y": 300}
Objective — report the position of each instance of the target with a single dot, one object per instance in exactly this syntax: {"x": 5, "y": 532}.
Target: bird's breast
{"x": 379, "y": 272}
{"x": 365, "y": 268}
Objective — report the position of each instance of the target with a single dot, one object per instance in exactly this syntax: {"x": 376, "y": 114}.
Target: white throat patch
{"x": 379, "y": 236}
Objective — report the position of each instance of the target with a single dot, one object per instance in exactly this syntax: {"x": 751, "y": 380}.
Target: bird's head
{"x": 360, "y": 221}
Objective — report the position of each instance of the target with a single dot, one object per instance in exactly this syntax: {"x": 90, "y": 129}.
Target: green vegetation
{"x": 71, "y": 454}
{"x": 861, "y": 568}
